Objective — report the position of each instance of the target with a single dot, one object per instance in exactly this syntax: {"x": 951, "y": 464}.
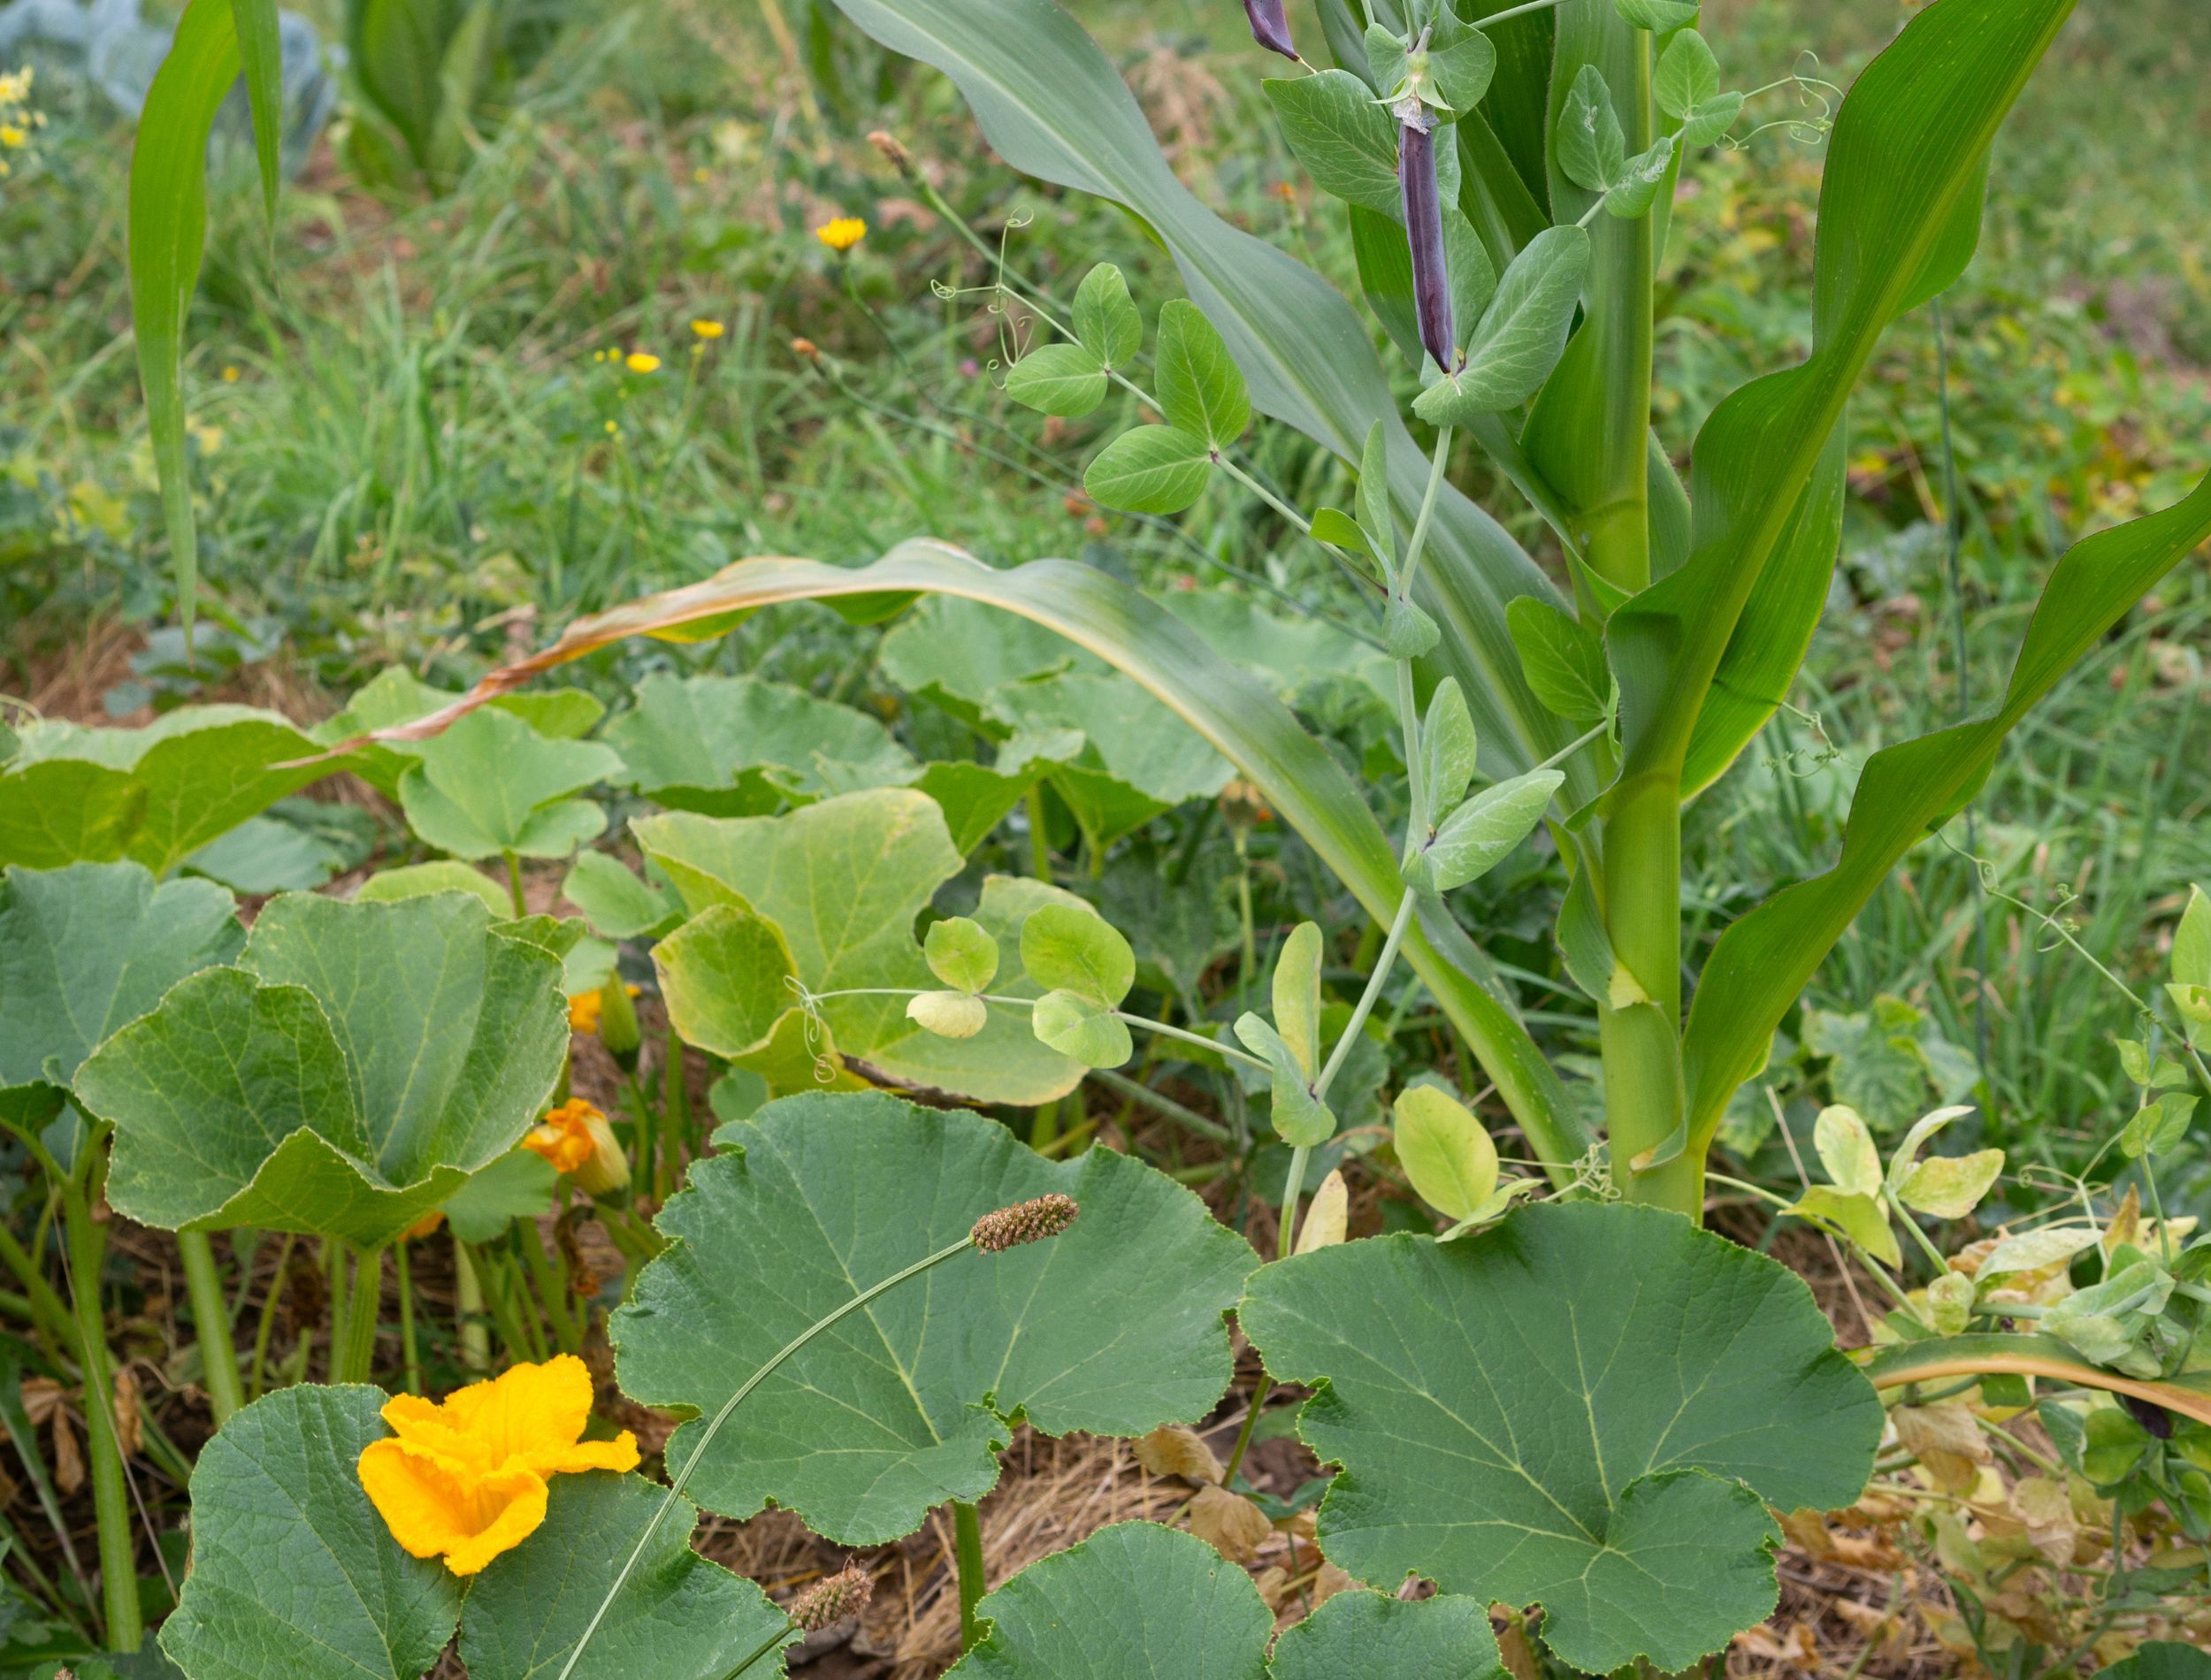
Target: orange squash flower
{"x": 576, "y": 1139}
{"x": 465, "y": 1478}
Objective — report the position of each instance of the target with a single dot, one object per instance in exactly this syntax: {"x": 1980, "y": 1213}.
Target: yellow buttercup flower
{"x": 706, "y": 329}
{"x": 12, "y": 136}
{"x": 840, "y": 234}
{"x": 641, "y": 361}
{"x": 576, "y": 1139}
{"x": 465, "y": 1478}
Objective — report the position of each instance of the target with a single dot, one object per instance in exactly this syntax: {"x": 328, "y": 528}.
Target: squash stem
{"x": 966, "y": 1535}
{"x": 210, "y": 1321}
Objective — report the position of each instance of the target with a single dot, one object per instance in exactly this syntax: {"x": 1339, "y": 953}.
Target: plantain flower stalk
{"x": 1424, "y": 227}
{"x": 1270, "y": 26}
{"x": 830, "y": 1599}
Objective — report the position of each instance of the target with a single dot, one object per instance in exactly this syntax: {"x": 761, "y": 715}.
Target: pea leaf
{"x": 1586, "y": 1406}
{"x": 1300, "y": 1117}
{"x": 1137, "y": 1601}
{"x": 198, "y": 773}
{"x": 1855, "y": 1214}
{"x": 1106, "y": 319}
{"x": 1520, "y": 338}
{"x": 1481, "y": 833}
{"x": 1445, "y": 1152}
{"x": 1657, "y": 16}
{"x": 1461, "y": 62}
{"x": 343, "y": 1080}
{"x": 735, "y": 747}
{"x": 2158, "y": 1127}
{"x": 951, "y": 1014}
{"x": 1589, "y": 145}
{"x": 1114, "y": 1327}
{"x": 1562, "y": 657}
{"x": 85, "y": 949}
{"x": 492, "y": 784}
{"x": 1153, "y": 470}
{"x": 1063, "y": 947}
{"x": 961, "y": 953}
{"x": 1408, "y": 632}
{"x": 1083, "y": 1028}
{"x": 1949, "y": 1186}
{"x": 1345, "y": 141}
{"x": 1296, "y": 988}
{"x": 293, "y": 1571}
{"x": 1687, "y": 75}
{"x": 1064, "y": 379}
{"x": 1846, "y": 1149}
{"x": 1200, "y": 388}
{"x": 828, "y": 896}
{"x": 677, "y": 1615}
{"x": 1447, "y": 747}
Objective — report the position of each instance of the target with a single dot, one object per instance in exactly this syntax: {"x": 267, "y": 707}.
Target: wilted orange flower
{"x": 840, "y": 234}
{"x": 465, "y": 1478}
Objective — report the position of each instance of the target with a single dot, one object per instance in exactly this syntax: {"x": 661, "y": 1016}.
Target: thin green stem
{"x": 1409, "y": 722}
{"x": 647, "y": 1133}
{"x": 1509, "y": 12}
{"x": 468, "y": 1307}
{"x": 1259, "y": 1391}
{"x": 784, "y": 1637}
{"x": 367, "y": 1295}
{"x": 86, "y": 1245}
{"x": 675, "y": 1118}
{"x": 1416, "y": 548}
{"x": 1289, "y": 514}
{"x": 514, "y": 883}
{"x": 551, "y": 1283}
{"x": 1039, "y": 833}
{"x": 1291, "y": 1191}
{"x": 409, "y": 1349}
{"x": 340, "y": 1330}
{"x": 729, "y": 1406}
{"x": 967, "y": 1538}
{"x": 267, "y": 1319}
{"x": 211, "y": 1322}
{"x": 1137, "y": 1091}
{"x": 53, "y": 1312}
{"x": 1365, "y": 1007}
{"x": 1161, "y": 1028}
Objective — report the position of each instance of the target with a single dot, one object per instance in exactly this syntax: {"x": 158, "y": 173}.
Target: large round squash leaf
{"x": 679, "y": 1617}
{"x": 86, "y": 948}
{"x": 1588, "y": 1407}
{"x": 156, "y": 795}
{"x": 1114, "y": 1327}
{"x": 343, "y": 1080}
{"x": 1137, "y": 1601}
{"x": 295, "y": 1576}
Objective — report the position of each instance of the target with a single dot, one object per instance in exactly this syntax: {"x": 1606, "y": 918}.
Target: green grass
{"x": 418, "y": 442}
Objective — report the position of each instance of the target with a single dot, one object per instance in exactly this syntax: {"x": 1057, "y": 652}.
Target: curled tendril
{"x": 815, "y": 1028}
{"x": 1803, "y": 762}
{"x": 1816, "y": 93}
{"x": 1593, "y": 1173}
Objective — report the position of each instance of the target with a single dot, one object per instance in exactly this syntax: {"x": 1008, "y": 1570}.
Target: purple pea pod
{"x": 1424, "y": 227}
{"x": 1270, "y": 26}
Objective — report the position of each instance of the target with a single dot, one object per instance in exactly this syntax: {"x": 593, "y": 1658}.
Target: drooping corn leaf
{"x": 735, "y": 747}
{"x": 85, "y": 949}
{"x": 296, "y": 1577}
{"x": 1242, "y": 721}
{"x": 1137, "y": 1601}
{"x": 193, "y": 776}
{"x": 343, "y": 1080}
{"x": 1113, "y": 1326}
{"x": 261, "y": 54}
{"x": 828, "y": 896}
{"x": 1587, "y": 1406}
{"x": 1764, "y": 958}
{"x": 168, "y": 235}
{"x": 396, "y": 696}
{"x": 492, "y": 784}
{"x": 678, "y": 1616}
{"x": 1935, "y": 97}
{"x": 293, "y": 1575}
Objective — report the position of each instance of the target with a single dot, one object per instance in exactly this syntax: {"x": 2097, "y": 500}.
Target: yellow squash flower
{"x": 583, "y": 1011}
{"x": 465, "y": 1478}
{"x": 641, "y": 361}
{"x": 840, "y": 234}
{"x": 576, "y": 1139}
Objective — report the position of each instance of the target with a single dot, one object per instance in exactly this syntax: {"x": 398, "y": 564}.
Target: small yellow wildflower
{"x": 614, "y": 428}
{"x": 840, "y": 234}
{"x": 706, "y": 329}
{"x": 576, "y": 1139}
{"x": 465, "y": 1478}
{"x": 230, "y": 376}
{"x": 641, "y": 361}
{"x": 12, "y": 136}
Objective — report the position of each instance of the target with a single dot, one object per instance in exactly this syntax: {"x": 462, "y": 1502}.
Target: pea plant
{"x": 1569, "y": 1397}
